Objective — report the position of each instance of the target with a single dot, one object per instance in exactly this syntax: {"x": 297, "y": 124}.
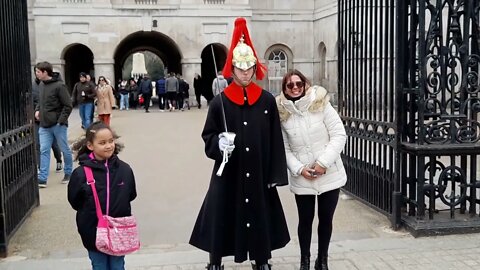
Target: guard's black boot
{"x": 321, "y": 263}
{"x": 305, "y": 262}
{"x": 214, "y": 267}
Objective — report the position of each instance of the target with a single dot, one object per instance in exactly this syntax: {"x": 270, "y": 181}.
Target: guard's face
{"x": 243, "y": 77}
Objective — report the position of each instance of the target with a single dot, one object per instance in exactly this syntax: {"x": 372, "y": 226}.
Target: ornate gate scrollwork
{"x": 416, "y": 74}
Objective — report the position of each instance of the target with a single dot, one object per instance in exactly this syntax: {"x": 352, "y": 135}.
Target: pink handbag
{"x": 115, "y": 236}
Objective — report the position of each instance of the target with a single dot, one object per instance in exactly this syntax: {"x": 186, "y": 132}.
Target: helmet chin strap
{"x": 249, "y": 81}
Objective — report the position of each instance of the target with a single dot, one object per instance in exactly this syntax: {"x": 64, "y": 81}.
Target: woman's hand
{"x": 309, "y": 173}
{"x": 319, "y": 170}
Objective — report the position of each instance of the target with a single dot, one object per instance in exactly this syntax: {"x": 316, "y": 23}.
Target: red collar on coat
{"x": 234, "y": 92}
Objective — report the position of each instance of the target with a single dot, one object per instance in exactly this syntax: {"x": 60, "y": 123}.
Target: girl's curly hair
{"x": 80, "y": 146}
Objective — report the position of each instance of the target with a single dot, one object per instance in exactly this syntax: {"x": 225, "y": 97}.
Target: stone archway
{"x": 78, "y": 58}
{"x": 155, "y": 42}
{"x": 208, "y": 67}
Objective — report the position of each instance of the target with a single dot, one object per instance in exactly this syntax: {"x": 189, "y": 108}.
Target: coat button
{"x": 247, "y": 149}
{"x": 247, "y": 174}
{"x": 246, "y": 200}
{"x": 245, "y": 123}
{"x": 248, "y": 225}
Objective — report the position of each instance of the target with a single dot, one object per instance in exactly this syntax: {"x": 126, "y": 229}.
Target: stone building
{"x": 97, "y": 36}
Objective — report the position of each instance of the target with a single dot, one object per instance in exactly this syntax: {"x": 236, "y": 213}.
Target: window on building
{"x": 277, "y": 67}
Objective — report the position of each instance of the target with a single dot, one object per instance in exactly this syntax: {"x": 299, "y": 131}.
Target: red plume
{"x": 241, "y": 28}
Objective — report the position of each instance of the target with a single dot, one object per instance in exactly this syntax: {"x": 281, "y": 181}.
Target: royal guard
{"x": 242, "y": 215}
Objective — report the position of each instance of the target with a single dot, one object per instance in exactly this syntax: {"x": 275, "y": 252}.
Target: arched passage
{"x": 155, "y": 42}
{"x": 208, "y": 66}
{"x": 78, "y": 58}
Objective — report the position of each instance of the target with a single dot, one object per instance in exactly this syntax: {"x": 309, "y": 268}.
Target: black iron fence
{"x": 367, "y": 99}
{"x": 18, "y": 185}
{"x": 409, "y": 92}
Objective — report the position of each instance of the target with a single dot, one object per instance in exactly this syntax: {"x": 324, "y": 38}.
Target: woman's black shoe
{"x": 321, "y": 263}
{"x": 214, "y": 267}
{"x": 305, "y": 263}
{"x": 262, "y": 267}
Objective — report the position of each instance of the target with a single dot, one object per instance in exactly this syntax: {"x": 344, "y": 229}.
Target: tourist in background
{"x": 52, "y": 111}
{"x": 124, "y": 96}
{"x": 57, "y": 153}
{"x": 83, "y": 94}
{"x": 161, "y": 93}
{"x": 146, "y": 89}
{"x": 171, "y": 84}
{"x": 219, "y": 83}
{"x": 105, "y": 100}
{"x": 197, "y": 87}
{"x": 133, "y": 93}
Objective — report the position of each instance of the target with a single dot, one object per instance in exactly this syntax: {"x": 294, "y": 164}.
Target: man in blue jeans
{"x": 84, "y": 94}
{"x": 53, "y": 109}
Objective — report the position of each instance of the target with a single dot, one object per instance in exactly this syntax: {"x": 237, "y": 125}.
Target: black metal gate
{"x": 18, "y": 185}
{"x": 409, "y": 97}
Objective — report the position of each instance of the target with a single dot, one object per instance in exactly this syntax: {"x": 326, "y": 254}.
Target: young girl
{"x": 98, "y": 150}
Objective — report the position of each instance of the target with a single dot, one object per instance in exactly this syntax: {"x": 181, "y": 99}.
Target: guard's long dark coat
{"x": 242, "y": 212}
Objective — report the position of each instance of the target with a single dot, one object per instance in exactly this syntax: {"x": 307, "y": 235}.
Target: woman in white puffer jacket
{"x": 314, "y": 137}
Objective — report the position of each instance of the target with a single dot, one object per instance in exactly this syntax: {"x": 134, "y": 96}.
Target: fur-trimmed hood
{"x": 315, "y": 99}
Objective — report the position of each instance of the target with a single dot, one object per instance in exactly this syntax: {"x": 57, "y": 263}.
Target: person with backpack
{"x": 219, "y": 84}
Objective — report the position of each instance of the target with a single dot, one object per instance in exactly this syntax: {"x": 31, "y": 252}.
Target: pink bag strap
{"x": 92, "y": 156}
{"x": 91, "y": 182}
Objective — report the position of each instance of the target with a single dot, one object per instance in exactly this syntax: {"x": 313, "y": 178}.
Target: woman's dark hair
{"x": 80, "y": 146}
{"x": 291, "y": 73}
{"x": 100, "y": 78}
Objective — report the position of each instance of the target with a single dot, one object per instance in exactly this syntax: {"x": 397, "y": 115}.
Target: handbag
{"x": 116, "y": 236}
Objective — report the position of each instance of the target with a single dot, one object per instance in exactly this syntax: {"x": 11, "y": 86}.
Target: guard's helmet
{"x": 242, "y": 53}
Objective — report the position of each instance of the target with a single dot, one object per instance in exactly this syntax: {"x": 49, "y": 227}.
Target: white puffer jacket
{"x": 312, "y": 132}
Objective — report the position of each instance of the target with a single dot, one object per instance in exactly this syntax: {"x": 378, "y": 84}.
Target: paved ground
{"x": 172, "y": 173}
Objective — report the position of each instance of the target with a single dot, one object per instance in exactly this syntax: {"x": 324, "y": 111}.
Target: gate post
{"x": 438, "y": 78}
{"x": 18, "y": 184}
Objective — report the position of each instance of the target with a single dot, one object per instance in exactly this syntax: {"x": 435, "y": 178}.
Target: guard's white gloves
{"x": 226, "y": 142}
{"x": 226, "y": 146}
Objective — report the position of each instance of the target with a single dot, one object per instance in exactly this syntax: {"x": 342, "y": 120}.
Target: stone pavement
{"x": 166, "y": 152}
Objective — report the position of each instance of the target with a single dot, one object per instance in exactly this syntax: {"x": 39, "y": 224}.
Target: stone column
{"x": 190, "y": 66}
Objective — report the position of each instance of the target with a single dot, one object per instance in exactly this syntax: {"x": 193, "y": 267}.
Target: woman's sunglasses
{"x": 290, "y": 85}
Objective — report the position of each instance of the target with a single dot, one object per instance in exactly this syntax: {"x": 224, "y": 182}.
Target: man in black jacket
{"x": 145, "y": 89}
{"x": 52, "y": 111}
{"x": 84, "y": 95}
{"x": 56, "y": 149}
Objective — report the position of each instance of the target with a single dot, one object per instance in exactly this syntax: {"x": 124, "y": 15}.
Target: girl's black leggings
{"x": 327, "y": 202}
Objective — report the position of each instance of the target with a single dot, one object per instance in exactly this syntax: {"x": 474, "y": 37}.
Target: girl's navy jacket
{"x": 80, "y": 196}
